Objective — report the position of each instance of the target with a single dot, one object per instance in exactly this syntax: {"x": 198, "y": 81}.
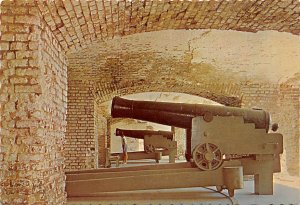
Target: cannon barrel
{"x": 139, "y": 134}
{"x": 181, "y": 114}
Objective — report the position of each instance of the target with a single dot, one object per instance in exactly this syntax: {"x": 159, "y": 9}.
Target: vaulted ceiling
{"x": 78, "y": 23}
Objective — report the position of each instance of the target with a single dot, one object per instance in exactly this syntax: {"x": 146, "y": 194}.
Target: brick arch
{"x": 77, "y": 24}
{"x": 226, "y": 94}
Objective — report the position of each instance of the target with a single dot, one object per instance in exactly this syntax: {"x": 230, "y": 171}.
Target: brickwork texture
{"x": 33, "y": 101}
{"x": 78, "y": 23}
{"x": 82, "y": 53}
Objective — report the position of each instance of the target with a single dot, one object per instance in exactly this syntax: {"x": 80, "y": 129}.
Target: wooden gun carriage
{"x": 156, "y": 144}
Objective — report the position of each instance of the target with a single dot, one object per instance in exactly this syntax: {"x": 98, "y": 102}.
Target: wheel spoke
{"x": 199, "y": 152}
{"x": 207, "y": 156}
{"x": 216, "y": 150}
{"x": 219, "y": 160}
{"x": 207, "y": 147}
{"x": 209, "y": 165}
{"x": 200, "y": 160}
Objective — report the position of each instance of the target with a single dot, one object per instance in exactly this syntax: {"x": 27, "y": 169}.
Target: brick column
{"x": 80, "y": 146}
{"x": 32, "y": 108}
{"x": 102, "y": 138}
{"x": 287, "y": 116}
{"x": 108, "y": 137}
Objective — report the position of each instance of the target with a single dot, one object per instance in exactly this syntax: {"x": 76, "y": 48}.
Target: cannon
{"x": 181, "y": 114}
{"x": 215, "y": 134}
{"x": 156, "y": 143}
{"x": 139, "y": 134}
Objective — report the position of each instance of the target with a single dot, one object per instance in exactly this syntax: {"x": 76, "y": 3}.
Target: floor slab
{"x": 286, "y": 192}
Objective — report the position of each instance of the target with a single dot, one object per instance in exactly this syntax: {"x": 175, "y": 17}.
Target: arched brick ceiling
{"x": 227, "y": 95}
{"x": 77, "y": 23}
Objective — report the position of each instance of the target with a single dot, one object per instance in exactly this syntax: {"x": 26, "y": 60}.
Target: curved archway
{"x": 77, "y": 24}
{"x": 229, "y": 94}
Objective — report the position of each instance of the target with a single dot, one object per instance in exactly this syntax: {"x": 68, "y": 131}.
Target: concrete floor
{"x": 286, "y": 192}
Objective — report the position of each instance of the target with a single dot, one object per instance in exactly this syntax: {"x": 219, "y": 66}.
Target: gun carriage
{"x": 156, "y": 144}
{"x": 217, "y": 132}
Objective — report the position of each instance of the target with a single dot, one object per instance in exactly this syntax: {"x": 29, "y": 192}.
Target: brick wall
{"x": 101, "y": 135}
{"x": 33, "y": 108}
{"x": 282, "y": 102}
{"x": 53, "y": 82}
{"x": 289, "y": 121}
{"x": 80, "y": 139}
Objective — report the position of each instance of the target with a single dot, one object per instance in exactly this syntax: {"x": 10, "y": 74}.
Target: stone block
{"x": 28, "y": 89}
{"x": 27, "y": 72}
{"x": 7, "y": 37}
{"x": 18, "y": 80}
{"x": 17, "y": 63}
{"x": 10, "y": 107}
{"x": 33, "y": 10}
{"x": 33, "y": 63}
{"x": 10, "y": 55}
{"x": 17, "y": 28}
{"x": 18, "y": 46}
{"x": 25, "y": 54}
{"x": 33, "y": 81}
{"x": 22, "y": 37}
{"x": 19, "y": 10}
{"x": 4, "y": 46}
{"x": 7, "y": 19}
{"x": 27, "y": 20}
{"x": 33, "y": 45}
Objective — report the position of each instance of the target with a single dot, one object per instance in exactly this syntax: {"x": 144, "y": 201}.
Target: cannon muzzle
{"x": 140, "y": 134}
{"x": 181, "y": 114}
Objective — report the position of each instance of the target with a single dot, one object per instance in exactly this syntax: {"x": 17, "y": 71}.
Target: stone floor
{"x": 286, "y": 192}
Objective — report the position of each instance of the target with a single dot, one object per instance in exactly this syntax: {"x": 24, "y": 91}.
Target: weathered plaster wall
{"x": 244, "y": 56}
{"x": 33, "y": 106}
{"x": 218, "y": 65}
